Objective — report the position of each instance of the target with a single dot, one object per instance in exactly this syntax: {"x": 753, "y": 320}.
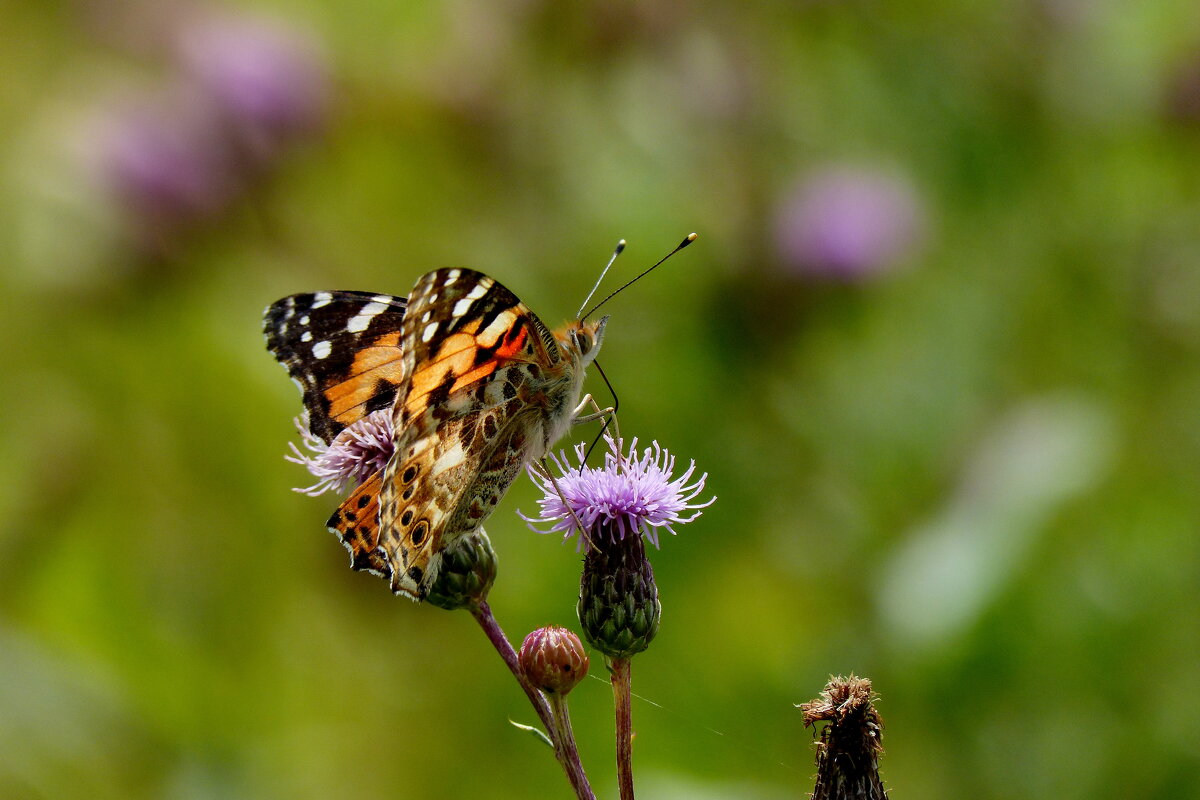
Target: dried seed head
{"x": 851, "y": 741}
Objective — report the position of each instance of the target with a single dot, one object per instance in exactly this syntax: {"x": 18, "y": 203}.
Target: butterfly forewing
{"x": 474, "y": 357}
{"x": 342, "y": 349}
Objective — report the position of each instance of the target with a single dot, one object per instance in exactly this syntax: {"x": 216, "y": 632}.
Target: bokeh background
{"x": 936, "y": 348}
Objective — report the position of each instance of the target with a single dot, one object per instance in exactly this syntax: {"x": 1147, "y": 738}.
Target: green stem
{"x": 620, "y": 668}
{"x": 564, "y": 745}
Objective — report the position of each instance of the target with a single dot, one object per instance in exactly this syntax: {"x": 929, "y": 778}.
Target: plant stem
{"x": 564, "y": 741}
{"x": 620, "y": 668}
{"x": 565, "y": 738}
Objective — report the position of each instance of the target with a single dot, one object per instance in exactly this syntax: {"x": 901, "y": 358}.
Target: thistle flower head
{"x": 618, "y": 505}
{"x": 467, "y": 573}
{"x": 629, "y": 494}
{"x": 354, "y": 455}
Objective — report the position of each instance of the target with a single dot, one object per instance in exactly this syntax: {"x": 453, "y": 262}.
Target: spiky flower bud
{"x": 618, "y": 599}
{"x": 851, "y": 741}
{"x": 553, "y": 659}
{"x": 467, "y": 573}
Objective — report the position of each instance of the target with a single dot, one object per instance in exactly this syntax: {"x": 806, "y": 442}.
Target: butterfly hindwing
{"x": 448, "y": 487}
{"x": 356, "y": 524}
{"x": 342, "y": 349}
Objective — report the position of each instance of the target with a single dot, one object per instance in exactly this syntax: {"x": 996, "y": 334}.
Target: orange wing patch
{"x": 356, "y": 524}
{"x": 503, "y": 354}
{"x": 456, "y": 357}
{"x": 378, "y": 361}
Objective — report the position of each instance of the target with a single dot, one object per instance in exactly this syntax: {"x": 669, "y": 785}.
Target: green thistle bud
{"x": 618, "y": 599}
{"x": 553, "y": 659}
{"x": 467, "y": 573}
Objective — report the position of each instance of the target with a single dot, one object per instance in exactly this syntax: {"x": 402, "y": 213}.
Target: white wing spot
{"x": 429, "y": 331}
{"x": 462, "y": 307}
{"x": 382, "y": 298}
{"x": 492, "y": 333}
{"x": 306, "y": 336}
{"x": 451, "y": 277}
{"x": 480, "y": 289}
{"x": 321, "y": 299}
{"x": 425, "y": 317}
{"x": 304, "y": 320}
{"x": 449, "y": 459}
{"x": 322, "y": 349}
{"x": 360, "y": 321}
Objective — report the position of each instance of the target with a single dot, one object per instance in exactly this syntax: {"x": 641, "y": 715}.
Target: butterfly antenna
{"x": 608, "y": 420}
{"x": 616, "y": 252}
{"x": 691, "y": 237}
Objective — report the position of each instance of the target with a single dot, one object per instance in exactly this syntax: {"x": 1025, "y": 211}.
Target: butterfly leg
{"x": 609, "y": 415}
{"x": 578, "y": 417}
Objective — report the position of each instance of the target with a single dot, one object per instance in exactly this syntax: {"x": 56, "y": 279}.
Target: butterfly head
{"x": 583, "y": 339}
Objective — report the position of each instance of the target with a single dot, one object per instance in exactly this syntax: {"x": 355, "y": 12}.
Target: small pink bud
{"x": 553, "y": 659}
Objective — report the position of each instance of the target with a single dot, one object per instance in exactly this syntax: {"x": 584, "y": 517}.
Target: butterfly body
{"x": 478, "y": 387}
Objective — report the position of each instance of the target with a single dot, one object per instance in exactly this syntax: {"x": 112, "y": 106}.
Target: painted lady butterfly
{"x": 478, "y": 388}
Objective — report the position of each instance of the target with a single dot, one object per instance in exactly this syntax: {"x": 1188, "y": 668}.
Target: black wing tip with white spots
{"x": 315, "y": 336}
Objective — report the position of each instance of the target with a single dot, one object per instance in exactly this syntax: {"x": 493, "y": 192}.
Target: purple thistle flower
{"x": 354, "y": 455}
{"x": 627, "y": 495}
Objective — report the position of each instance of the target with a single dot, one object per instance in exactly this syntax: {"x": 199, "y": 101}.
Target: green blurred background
{"x": 936, "y": 348}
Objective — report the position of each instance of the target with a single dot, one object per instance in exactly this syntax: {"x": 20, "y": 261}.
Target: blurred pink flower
{"x": 848, "y": 223}
{"x": 265, "y": 77}
{"x": 239, "y": 91}
{"x": 164, "y": 160}
{"x": 1183, "y": 91}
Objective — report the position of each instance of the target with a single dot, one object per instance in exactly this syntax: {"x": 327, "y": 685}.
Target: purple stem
{"x": 564, "y": 741}
{"x": 621, "y": 668}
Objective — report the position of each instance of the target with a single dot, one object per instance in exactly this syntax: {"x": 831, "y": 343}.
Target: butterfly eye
{"x": 583, "y": 341}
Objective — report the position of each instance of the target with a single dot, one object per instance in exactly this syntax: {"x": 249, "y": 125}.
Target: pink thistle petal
{"x": 631, "y": 493}
{"x": 354, "y": 455}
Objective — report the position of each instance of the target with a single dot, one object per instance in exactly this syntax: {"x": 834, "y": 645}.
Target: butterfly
{"x": 478, "y": 388}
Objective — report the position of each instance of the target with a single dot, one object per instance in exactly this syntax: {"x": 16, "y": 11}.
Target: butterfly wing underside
{"x": 356, "y": 524}
{"x": 477, "y": 367}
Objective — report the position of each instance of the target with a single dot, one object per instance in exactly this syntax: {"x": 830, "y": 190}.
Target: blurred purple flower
{"x": 628, "y": 495}
{"x": 848, "y": 223}
{"x": 168, "y": 164}
{"x": 267, "y": 78}
{"x": 354, "y": 455}
{"x": 1183, "y": 91}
